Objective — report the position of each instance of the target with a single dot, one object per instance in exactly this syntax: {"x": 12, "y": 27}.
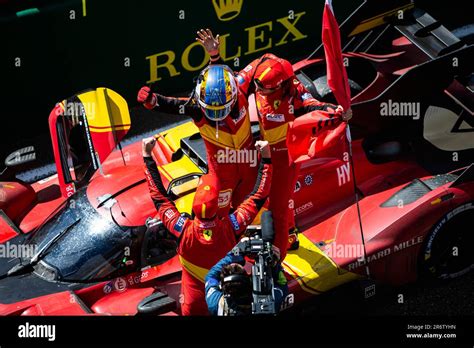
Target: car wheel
{"x": 447, "y": 250}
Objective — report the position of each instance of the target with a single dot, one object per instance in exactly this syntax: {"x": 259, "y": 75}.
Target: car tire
{"x": 446, "y": 251}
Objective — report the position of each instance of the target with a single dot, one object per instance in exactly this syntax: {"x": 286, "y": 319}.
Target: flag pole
{"x": 332, "y": 48}
{"x": 356, "y": 194}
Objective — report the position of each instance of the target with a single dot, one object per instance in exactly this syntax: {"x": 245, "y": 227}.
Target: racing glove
{"x": 147, "y": 98}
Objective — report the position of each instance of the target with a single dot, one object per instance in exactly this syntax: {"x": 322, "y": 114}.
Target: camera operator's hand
{"x": 264, "y": 148}
{"x": 276, "y": 254}
{"x": 147, "y": 146}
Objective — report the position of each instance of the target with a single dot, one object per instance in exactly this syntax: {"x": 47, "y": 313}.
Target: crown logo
{"x": 227, "y": 10}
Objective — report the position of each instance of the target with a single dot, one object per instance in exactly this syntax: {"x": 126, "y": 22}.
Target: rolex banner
{"x": 56, "y": 48}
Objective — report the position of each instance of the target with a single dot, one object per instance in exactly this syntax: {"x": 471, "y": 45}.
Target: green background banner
{"x": 68, "y": 46}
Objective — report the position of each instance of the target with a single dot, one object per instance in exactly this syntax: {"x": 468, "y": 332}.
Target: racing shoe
{"x": 293, "y": 241}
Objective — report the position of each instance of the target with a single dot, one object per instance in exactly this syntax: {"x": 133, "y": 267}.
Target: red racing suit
{"x": 275, "y": 111}
{"x": 228, "y": 143}
{"x": 202, "y": 243}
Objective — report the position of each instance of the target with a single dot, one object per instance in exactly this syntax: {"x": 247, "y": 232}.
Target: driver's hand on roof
{"x": 147, "y": 146}
{"x": 207, "y": 39}
{"x": 264, "y": 148}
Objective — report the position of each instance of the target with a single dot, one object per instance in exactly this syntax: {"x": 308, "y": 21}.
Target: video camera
{"x": 259, "y": 248}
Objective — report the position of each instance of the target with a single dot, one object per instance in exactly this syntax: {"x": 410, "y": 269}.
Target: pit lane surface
{"x": 452, "y": 297}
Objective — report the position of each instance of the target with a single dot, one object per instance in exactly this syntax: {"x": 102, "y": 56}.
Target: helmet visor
{"x": 216, "y": 113}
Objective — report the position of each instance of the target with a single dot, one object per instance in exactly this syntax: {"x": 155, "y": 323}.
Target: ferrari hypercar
{"x": 87, "y": 241}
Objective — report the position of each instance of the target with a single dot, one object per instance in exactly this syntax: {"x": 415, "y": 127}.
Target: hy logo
{"x": 227, "y": 10}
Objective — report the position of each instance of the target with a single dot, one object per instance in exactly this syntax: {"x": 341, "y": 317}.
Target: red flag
{"x": 302, "y": 140}
{"x": 314, "y": 135}
{"x": 336, "y": 72}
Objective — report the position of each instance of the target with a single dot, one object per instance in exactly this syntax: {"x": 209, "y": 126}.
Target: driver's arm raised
{"x": 248, "y": 209}
{"x": 167, "y": 211}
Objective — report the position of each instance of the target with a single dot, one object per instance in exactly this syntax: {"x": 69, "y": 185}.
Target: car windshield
{"x": 88, "y": 246}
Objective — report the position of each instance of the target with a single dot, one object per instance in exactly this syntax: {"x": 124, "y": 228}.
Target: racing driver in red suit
{"x": 207, "y": 238}
{"x": 280, "y": 98}
{"x": 220, "y": 110}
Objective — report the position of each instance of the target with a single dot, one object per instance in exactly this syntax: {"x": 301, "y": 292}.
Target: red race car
{"x": 86, "y": 241}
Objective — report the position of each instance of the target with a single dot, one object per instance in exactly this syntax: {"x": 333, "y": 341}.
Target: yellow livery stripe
{"x": 275, "y": 135}
{"x": 196, "y": 271}
{"x": 109, "y": 129}
{"x": 378, "y": 20}
{"x": 183, "y": 166}
{"x": 314, "y": 270}
{"x": 265, "y": 72}
{"x": 225, "y": 139}
{"x": 174, "y": 135}
{"x": 105, "y": 109}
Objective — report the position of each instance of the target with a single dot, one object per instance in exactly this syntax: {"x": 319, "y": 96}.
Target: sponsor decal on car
{"x": 120, "y": 284}
{"x": 308, "y": 180}
{"x": 304, "y": 207}
{"x": 343, "y": 172}
{"x": 306, "y": 96}
{"x": 297, "y": 186}
{"x": 384, "y": 253}
{"x": 137, "y": 278}
{"x": 108, "y": 288}
{"x": 240, "y": 79}
{"x": 449, "y": 216}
